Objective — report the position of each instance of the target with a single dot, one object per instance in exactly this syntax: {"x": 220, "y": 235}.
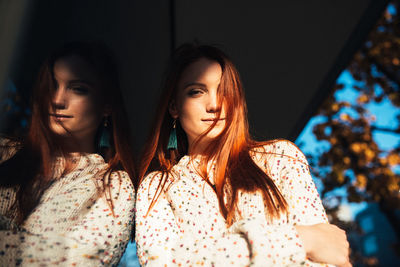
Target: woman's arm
{"x": 166, "y": 237}
{"x": 288, "y": 166}
{"x": 323, "y": 242}
{"x": 98, "y": 238}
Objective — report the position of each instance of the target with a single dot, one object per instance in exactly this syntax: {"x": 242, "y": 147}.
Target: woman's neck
{"x": 197, "y": 149}
{"x": 75, "y": 147}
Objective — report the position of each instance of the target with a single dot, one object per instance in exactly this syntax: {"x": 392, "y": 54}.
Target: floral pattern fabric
{"x": 185, "y": 226}
{"x": 73, "y": 224}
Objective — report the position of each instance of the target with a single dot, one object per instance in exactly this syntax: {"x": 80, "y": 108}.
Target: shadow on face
{"x": 77, "y": 105}
{"x": 197, "y": 106}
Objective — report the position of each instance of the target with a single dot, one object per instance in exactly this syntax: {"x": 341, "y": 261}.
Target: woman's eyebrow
{"x": 81, "y": 81}
{"x": 195, "y": 84}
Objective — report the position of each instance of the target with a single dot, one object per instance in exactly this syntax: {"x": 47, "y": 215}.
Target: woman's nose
{"x": 212, "y": 103}
{"x": 59, "y": 99}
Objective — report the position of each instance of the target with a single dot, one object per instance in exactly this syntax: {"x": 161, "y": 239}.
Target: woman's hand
{"x": 325, "y": 243}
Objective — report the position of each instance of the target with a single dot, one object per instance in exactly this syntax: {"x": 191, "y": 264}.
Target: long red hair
{"x": 31, "y": 169}
{"x": 230, "y": 150}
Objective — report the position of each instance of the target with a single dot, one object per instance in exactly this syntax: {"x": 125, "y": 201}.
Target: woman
{"x": 66, "y": 195}
{"x": 215, "y": 196}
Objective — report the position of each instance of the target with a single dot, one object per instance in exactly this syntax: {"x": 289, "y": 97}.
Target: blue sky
{"x": 384, "y": 112}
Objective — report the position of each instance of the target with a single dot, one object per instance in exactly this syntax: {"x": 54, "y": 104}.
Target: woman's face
{"x": 197, "y": 104}
{"x": 77, "y": 106}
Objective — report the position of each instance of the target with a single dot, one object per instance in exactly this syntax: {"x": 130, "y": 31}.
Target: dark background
{"x": 289, "y": 53}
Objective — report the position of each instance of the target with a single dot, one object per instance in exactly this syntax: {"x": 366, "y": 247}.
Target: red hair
{"x": 230, "y": 150}
{"x": 31, "y": 169}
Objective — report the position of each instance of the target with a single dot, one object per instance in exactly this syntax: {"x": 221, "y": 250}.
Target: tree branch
{"x": 385, "y": 129}
{"x": 388, "y": 73}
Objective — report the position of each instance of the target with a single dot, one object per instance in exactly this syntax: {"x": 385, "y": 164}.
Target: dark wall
{"x": 13, "y": 14}
{"x": 137, "y": 31}
{"x": 288, "y": 52}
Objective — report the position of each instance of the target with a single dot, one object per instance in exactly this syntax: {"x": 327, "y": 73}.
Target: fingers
{"x": 340, "y": 245}
{"x": 325, "y": 243}
{"x": 345, "y": 261}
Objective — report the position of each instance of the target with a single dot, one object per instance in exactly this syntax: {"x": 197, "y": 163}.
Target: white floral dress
{"x": 185, "y": 226}
{"x": 73, "y": 224}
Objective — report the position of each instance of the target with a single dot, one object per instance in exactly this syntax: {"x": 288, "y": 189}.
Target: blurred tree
{"x": 354, "y": 160}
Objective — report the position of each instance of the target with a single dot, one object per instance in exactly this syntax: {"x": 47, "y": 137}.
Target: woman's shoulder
{"x": 150, "y": 178}
{"x": 157, "y": 176}
{"x": 157, "y": 180}
{"x": 279, "y": 148}
{"x": 277, "y": 154}
{"x": 122, "y": 179}
{"x": 123, "y": 175}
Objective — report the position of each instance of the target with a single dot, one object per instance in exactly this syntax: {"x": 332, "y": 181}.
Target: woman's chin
{"x": 59, "y": 130}
{"x": 214, "y": 133}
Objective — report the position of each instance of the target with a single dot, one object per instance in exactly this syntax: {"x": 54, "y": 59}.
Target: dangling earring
{"x": 105, "y": 135}
{"x": 172, "y": 142}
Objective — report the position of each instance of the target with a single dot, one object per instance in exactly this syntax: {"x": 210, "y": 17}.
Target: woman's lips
{"x": 60, "y": 117}
{"x": 210, "y": 121}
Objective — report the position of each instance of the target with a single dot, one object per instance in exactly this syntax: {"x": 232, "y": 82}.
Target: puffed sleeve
{"x": 98, "y": 239}
{"x": 300, "y": 191}
{"x": 288, "y": 167}
{"x": 290, "y": 171}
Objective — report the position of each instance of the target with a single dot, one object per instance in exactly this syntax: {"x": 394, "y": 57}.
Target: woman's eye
{"x": 80, "y": 90}
{"x": 195, "y": 92}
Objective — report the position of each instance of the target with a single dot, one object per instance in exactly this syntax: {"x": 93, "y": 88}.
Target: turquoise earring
{"x": 105, "y": 135}
{"x": 172, "y": 142}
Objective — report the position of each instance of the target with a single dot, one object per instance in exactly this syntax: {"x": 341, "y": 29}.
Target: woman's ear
{"x": 173, "y": 111}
